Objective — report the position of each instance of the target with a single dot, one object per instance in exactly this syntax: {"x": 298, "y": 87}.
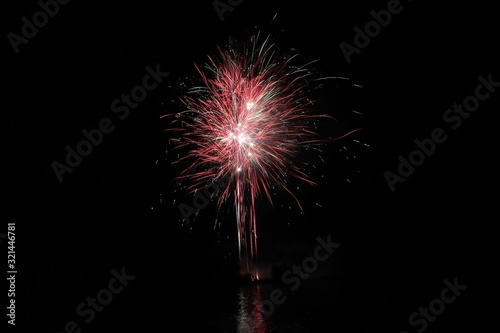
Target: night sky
{"x": 106, "y": 214}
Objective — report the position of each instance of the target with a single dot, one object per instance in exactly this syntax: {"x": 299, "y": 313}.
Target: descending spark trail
{"x": 247, "y": 123}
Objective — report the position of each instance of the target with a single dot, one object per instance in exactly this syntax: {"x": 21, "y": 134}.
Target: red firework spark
{"x": 246, "y": 123}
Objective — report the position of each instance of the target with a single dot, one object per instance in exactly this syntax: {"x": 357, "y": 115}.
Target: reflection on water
{"x": 250, "y": 317}
{"x": 242, "y": 308}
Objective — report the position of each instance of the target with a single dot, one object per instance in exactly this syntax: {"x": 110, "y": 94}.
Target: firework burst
{"x": 247, "y": 123}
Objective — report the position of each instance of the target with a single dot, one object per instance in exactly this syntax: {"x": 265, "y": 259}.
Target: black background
{"x": 106, "y": 214}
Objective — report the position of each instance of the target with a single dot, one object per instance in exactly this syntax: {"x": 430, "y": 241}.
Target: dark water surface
{"x": 346, "y": 304}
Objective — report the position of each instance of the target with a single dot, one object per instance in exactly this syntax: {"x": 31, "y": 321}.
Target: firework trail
{"x": 246, "y": 123}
